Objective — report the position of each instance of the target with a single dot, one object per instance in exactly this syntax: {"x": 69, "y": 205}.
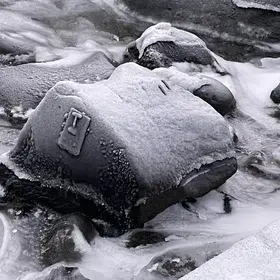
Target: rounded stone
{"x": 217, "y": 95}
{"x": 275, "y": 95}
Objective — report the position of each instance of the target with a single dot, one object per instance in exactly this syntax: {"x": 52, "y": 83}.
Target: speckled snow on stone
{"x": 177, "y": 132}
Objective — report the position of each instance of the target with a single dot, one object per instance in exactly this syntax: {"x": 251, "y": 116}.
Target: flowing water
{"x": 63, "y": 29}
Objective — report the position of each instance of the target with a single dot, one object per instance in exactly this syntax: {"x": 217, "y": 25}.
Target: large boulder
{"x": 121, "y": 150}
{"x": 24, "y": 86}
{"x": 162, "y": 44}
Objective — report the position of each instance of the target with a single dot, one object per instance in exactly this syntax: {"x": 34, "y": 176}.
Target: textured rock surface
{"x": 26, "y": 85}
{"x": 275, "y": 95}
{"x": 255, "y": 257}
{"x": 146, "y": 146}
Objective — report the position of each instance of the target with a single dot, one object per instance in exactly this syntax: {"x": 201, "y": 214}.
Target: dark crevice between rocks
{"x": 145, "y": 237}
{"x": 62, "y": 197}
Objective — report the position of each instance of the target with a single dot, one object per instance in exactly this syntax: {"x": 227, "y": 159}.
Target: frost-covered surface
{"x": 186, "y": 81}
{"x": 165, "y": 32}
{"x": 272, "y": 5}
{"x": 26, "y": 85}
{"x": 256, "y": 257}
{"x": 159, "y": 132}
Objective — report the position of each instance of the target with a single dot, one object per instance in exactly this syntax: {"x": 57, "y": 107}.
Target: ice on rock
{"x": 256, "y": 257}
{"x": 163, "y": 143}
{"x": 272, "y": 5}
{"x": 26, "y": 85}
{"x": 165, "y": 32}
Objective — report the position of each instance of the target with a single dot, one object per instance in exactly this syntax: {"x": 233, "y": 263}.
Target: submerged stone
{"x": 132, "y": 146}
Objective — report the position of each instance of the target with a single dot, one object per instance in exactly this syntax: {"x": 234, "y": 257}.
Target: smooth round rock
{"x": 275, "y": 95}
{"x": 217, "y": 95}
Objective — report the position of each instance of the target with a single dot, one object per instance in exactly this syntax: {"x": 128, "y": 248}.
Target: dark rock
{"x": 185, "y": 203}
{"x": 185, "y": 47}
{"x": 125, "y": 153}
{"x": 26, "y": 85}
{"x": 177, "y": 263}
{"x": 63, "y": 273}
{"x": 17, "y": 59}
{"x": 217, "y": 95}
{"x": 275, "y": 95}
{"x": 145, "y": 237}
{"x": 163, "y": 54}
{"x": 59, "y": 244}
{"x": 227, "y": 206}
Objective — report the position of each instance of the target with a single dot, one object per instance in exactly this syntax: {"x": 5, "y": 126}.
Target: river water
{"x": 202, "y": 231}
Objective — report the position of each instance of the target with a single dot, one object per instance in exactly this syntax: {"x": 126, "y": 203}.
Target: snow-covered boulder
{"x": 254, "y": 258}
{"x": 162, "y": 44}
{"x": 122, "y": 150}
{"x": 25, "y": 85}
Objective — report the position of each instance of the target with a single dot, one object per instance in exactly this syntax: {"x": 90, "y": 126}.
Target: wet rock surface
{"x": 176, "y": 263}
{"x": 145, "y": 237}
{"x": 275, "y": 95}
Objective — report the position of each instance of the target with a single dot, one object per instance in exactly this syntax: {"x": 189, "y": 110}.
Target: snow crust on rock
{"x": 164, "y": 31}
{"x": 131, "y": 105}
{"x": 272, "y": 5}
{"x": 256, "y": 257}
{"x": 26, "y": 85}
